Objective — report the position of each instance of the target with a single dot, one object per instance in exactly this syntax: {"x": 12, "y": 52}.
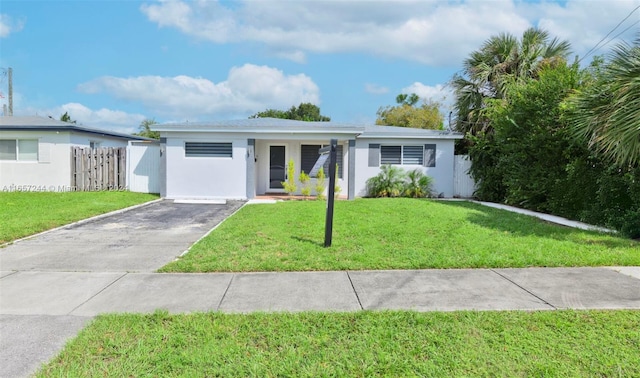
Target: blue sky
{"x": 111, "y": 64}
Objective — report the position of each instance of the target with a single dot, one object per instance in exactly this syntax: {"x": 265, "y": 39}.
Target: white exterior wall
{"x": 205, "y": 177}
{"x": 293, "y": 150}
{"x": 442, "y": 173}
{"x": 51, "y": 171}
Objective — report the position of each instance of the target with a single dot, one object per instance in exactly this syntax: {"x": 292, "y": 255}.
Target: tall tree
{"x": 145, "y": 129}
{"x": 303, "y": 112}
{"x": 607, "y": 112}
{"x": 67, "y": 118}
{"x": 409, "y": 114}
{"x": 502, "y": 61}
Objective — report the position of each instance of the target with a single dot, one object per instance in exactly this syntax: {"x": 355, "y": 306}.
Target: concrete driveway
{"x": 139, "y": 240}
{"x": 45, "y": 273}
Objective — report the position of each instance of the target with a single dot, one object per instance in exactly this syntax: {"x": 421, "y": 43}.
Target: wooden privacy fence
{"x": 95, "y": 169}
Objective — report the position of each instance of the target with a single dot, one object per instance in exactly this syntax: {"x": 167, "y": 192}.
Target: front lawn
{"x": 27, "y": 213}
{"x": 359, "y": 344}
{"x": 396, "y": 233}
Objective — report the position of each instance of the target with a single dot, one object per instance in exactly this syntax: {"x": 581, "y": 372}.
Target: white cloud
{"x": 107, "y": 119}
{"x": 115, "y": 120}
{"x": 375, "y": 89}
{"x": 247, "y": 90}
{"x": 442, "y": 94}
{"x": 437, "y": 92}
{"x": 431, "y": 32}
{"x": 8, "y": 25}
{"x": 585, "y": 24}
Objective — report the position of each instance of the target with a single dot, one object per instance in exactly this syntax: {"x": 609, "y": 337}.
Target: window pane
{"x": 308, "y": 156}
{"x": 28, "y": 149}
{"x": 412, "y": 155}
{"x": 204, "y": 149}
{"x": 390, "y": 154}
{"x": 8, "y": 149}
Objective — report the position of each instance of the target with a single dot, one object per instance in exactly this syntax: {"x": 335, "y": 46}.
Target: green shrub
{"x": 320, "y": 179}
{"x": 418, "y": 184}
{"x": 304, "y": 179}
{"x": 388, "y": 183}
{"x": 393, "y": 181}
{"x": 532, "y": 159}
{"x": 290, "y": 185}
{"x": 337, "y": 189}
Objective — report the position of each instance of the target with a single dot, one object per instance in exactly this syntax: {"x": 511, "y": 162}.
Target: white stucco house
{"x": 244, "y": 158}
{"x": 35, "y": 151}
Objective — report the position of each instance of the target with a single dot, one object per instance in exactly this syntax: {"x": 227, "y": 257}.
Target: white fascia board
{"x": 396, "y": 136}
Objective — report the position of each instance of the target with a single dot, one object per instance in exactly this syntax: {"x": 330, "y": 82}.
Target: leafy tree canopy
{"x": 502, "y": 62}
{"x": 67, "y": 118}
{"x": 303, "y": 112}
{"x": 145, "y": 129}
{"x": 607, "y": 112}
{"x": 408, "y": 113}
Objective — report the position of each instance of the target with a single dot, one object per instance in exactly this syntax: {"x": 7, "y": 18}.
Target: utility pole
{"x": 10, "y": 73}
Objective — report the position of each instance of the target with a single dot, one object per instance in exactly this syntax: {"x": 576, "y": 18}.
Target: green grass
{"x": 360, "y": 344}
{"x": 396, "y": 234}
{"x": 23, "y": 214}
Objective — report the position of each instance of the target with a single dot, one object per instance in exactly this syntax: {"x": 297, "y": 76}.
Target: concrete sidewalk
{"x": 40, "y": 310}
{"x": 92, "y": 293}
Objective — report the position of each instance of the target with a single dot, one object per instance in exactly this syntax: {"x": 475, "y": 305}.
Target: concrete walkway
{"x": 52, "y": 285}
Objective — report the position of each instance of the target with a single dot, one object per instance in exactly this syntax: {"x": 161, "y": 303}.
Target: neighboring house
{"x": 244, "y": 158}
{"x": 35, "y": 152}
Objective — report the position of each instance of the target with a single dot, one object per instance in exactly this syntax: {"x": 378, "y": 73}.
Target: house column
{"x": 351, "y": 178}
{"x": 251, "y": 168}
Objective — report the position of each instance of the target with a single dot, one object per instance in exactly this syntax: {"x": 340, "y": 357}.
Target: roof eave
{"x": 73, "y": 128}
{"x": 400, "y": 136}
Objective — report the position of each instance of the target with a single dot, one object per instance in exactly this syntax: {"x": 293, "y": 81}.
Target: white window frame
{"x": 17, "y": 149}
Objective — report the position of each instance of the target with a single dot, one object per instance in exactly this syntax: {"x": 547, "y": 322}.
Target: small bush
{"x": 393, "y": 181}
{"x": 320, "y": 179}
{"x": 290, "y": 185}
{"x": 418, "y": 184}
{"x": 388, "y": 183}
{"x": 304, "y": 179}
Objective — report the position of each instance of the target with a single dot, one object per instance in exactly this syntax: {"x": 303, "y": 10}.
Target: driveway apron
{"x": 44, "y": 278}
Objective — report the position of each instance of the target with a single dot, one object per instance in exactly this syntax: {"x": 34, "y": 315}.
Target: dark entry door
{"x": 277, "y": 166}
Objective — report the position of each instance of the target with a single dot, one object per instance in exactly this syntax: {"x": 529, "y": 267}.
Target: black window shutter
{"x": 374, "y": 155}
{"x": 429, "y": 155}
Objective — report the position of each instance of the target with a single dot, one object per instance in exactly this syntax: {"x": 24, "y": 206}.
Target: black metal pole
{"x": 328, "y": 228}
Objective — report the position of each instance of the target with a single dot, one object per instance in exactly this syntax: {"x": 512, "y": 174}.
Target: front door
{"x": 277, "y": 167}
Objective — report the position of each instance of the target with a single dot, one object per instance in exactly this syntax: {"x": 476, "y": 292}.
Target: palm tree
{"x": 607, "y": 113}
{"x": 501, "y": 62}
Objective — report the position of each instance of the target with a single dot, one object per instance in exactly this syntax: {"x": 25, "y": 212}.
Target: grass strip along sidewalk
{"x": 360, "y": 344}
{"x": 396, "y": 233}
{"x": 27, "y": 213}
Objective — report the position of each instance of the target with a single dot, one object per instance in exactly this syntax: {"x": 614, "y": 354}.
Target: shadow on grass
{"x": 308, "y": 241}
{"x": 525, "y": 225}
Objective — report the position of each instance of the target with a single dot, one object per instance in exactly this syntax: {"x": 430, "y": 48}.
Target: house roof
{"x": 262, "y": 125}
{"x": 287, "y": 126}
{"x": 35, "y": 123}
